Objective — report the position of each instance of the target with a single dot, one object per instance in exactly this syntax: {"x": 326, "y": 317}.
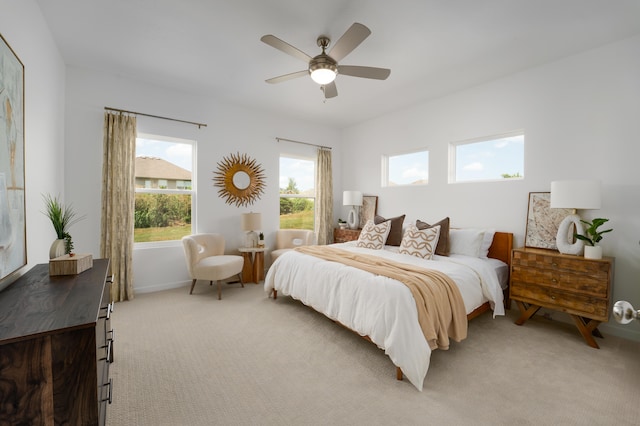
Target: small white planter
{"x": 592, "y": 252}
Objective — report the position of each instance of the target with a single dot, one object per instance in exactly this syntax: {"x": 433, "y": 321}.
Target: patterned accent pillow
{"x": 443, "y": 240}
{"x": 420, "y": 242}
{"x": 374, "y": 236}
{"x": 395, "y": 233}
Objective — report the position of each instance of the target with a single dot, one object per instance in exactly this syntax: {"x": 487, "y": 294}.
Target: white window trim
{"x": 452, "y": 156}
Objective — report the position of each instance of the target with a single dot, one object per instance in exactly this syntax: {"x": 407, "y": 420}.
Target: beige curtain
{"x": 324, "y": 197}
{"x": 118, "y": 201}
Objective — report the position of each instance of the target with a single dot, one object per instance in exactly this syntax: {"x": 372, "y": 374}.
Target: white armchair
{"x": 288, "y": 239}
{"x": 206, "y": 260}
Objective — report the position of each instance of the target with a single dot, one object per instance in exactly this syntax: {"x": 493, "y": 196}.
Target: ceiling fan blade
{"x": 364, "y": 72}
{"x": 349, "y": 41}
{"x": 286, "y": 77}
{"x": 285, "y": 47}
{"x": 330, "y": 90}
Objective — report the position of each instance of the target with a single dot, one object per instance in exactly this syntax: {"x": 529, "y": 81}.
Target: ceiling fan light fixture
{"x": 323, "y": 69}
{"x": 323, "y": 76}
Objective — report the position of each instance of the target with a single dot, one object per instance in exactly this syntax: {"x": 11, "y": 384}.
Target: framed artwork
{"x": 13, "y": 232}
{"x": 369, "y": 208}
{"x": 543, "y": 221}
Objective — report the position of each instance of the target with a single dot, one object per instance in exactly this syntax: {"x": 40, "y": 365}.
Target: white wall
{"x": 24, "y": 29}
{"x": 580, "y": 119}
{"x": 230, "y": 129}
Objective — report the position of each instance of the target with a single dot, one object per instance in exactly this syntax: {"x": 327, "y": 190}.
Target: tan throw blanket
{"x": 441, "y": 311}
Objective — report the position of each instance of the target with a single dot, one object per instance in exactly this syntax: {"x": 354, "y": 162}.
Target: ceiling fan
{"x": 324, "y": 67}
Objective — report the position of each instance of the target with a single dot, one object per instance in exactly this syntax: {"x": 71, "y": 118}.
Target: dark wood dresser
{"x": 572, "y": 284}
{"x": 56, "y": 344}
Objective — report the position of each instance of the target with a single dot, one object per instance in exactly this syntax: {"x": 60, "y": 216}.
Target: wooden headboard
{"x": 501, "y": 247}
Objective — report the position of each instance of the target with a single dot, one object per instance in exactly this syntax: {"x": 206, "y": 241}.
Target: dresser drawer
{"x": 578, "y": 304}
{"x": 592, "y": 284}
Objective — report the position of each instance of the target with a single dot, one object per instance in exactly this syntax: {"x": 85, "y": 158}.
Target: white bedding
{"x": 380, "y": 307}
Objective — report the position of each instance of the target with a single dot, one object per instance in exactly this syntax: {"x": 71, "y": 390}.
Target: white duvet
{"x": 380, "y": 307}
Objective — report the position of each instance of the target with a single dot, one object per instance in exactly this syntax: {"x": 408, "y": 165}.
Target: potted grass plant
{"x": 592, "y": 237}
{"x": 62, "y": 217}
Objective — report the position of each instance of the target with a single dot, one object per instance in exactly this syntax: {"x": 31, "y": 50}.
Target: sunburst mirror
{"x": 240, "y": 179}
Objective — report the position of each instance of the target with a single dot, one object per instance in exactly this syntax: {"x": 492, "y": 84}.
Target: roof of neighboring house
{"x": 157, "y": 168}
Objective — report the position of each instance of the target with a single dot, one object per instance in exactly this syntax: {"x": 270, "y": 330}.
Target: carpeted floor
{"x": 185, "y": 359}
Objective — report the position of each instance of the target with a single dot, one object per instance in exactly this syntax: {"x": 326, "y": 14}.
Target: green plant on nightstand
{"x": 592, "y": 237}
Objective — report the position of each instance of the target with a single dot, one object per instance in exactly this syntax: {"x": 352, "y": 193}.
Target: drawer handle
{"x": 109, "y": 357}
{"x": 553, "y": 298}
{"x": 109, "y": 309}
{"x": 554, "y": 280}
{"x": 110, "y": 395}
{"x": 554, "y": 264}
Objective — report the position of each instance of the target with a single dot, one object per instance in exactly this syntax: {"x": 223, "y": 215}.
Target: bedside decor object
{"x": 353, "y": 199}
{"x": 250, "y": 223}
{"x": 542, "y": 221}
{"x": 13, "y": 229}
{"x": 591, "y": 237}
{"x": 62, "y": 217}
{"x": 369, "y": 208}
{"x": 573, "y": 194}
{"x": 240, "y": 179}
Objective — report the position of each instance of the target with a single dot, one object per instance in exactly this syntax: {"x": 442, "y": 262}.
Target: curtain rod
{"x": 304, "y": 143}
{"x": 156, "y": 116}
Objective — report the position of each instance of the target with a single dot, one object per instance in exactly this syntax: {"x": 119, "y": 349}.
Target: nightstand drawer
{"x": 594, "y": 284}
{"x": 578, "y": 304}
{"x": 560, "y": 263}
{"x": 345, "y": 235}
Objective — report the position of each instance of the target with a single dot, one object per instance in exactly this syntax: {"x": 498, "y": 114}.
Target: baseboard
{"x": 161, "y": 287}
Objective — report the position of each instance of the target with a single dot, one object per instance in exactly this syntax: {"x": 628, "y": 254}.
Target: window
{"x": 498, "y": 157}
{"x": 405, "y": 169}
{"x": 164, "y": 188}
{"x": 297, "y": 193}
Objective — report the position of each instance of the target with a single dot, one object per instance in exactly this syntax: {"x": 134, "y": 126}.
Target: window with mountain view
{"x": 164, "y": 189}
{"x": 297, "y": 193}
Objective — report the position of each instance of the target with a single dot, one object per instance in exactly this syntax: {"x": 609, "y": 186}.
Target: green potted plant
{"x": 342, "y": 224}
{"x": 62, "y": 217}
{"x": 592, "y": 237}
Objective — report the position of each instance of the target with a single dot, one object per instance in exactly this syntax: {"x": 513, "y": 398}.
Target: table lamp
{"x": 353, "y": 199}
{"x": 573, "y": 194}
{"x": 250, "y": 223}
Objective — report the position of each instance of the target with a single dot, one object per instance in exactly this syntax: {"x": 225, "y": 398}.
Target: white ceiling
{"x": 433, "y": 47}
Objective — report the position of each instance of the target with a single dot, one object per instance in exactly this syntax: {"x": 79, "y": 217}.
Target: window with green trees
{"x": 297, "y": 193}
{"x": 164, "y": 189}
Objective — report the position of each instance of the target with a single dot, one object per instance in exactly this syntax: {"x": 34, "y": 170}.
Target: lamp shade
{"x": 352, "y": 198}
{"x": 575, "y": 194}
{"x": 251, "y": 221}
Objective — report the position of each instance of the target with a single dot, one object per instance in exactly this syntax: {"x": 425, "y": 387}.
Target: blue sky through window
{"x": 177, "y": 153}
{"x": 301, "y": 170}
{"x": 489, "y": 160}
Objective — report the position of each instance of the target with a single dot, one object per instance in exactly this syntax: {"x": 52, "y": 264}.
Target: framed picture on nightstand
{"x": 369, "y": 208}
{"x": 543, "y": 221}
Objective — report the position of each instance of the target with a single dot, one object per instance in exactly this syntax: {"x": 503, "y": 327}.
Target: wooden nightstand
{"x": 344, "y": 235}
{"x": 572, "y": 284}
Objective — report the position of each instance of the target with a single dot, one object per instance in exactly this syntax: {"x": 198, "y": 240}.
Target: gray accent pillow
{"x": 442, "y": 248}
{"x": 395, "y": 234}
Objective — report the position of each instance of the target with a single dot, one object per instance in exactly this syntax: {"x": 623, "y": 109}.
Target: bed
{"x": 382, "y": 309}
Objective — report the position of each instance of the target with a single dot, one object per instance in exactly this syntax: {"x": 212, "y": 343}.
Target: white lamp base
{"x": 251, "y": 239}
{"x": 565, "y": 246}
{"x": 352, "y": 219}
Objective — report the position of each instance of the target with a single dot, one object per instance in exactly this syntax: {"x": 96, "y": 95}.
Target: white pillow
{"x": 466, "y": 241}
{"x": 420, "y": 242}
{"x": 374, "y": 236}
{"x": 487, "y": 240}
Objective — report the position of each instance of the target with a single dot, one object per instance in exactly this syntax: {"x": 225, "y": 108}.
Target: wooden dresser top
{"x": 37, "y": 303}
